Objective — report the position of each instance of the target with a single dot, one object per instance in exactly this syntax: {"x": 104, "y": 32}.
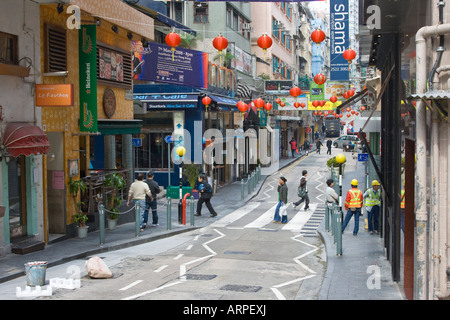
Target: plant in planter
{"x": 334, "y": 165}
{"x": 115, "y": 182}
{"x": 80, "y": 218}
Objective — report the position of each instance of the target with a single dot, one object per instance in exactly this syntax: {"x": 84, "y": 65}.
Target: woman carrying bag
{"x": 280, "y": 211}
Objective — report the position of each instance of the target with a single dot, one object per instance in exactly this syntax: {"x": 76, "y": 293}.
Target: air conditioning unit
{"x": 247, "y": 26}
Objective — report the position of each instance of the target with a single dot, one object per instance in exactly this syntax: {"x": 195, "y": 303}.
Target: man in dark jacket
{"x": 329, "y": 144}
{"x": 154, "y": 189}
{"x": 305, "y": 196}
{"x": 205, "y": 190}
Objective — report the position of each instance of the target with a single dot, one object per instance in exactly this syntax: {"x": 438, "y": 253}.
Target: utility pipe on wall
{"x": 421, "y": 173}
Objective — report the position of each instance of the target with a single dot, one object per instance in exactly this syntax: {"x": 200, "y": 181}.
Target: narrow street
{"x": 242, "y": 255}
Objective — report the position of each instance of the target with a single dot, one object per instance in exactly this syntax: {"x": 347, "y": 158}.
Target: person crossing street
{"x": 353, "y": 204}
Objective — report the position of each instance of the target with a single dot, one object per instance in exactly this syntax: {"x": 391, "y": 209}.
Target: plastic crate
{"x": 174, "y": 192}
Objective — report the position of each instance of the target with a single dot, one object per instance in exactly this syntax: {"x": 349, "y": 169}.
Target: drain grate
{"x": 237, "y": 252}
{"x": 240, "y": 288}
{"x": 200, "y": 276}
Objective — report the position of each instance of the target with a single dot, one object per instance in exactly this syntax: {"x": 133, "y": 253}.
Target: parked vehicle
{"x": 339, "y": 142}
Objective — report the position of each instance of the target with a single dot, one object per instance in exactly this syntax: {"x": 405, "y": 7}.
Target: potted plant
{"x": 192, "y": 171}
{"x": 80, "y": 218}
{"x": 115, "y": 182}
{"x": 334, "y": 165}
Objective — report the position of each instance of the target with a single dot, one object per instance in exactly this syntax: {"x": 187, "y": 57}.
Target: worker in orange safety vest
{"x": 353, "y": 204}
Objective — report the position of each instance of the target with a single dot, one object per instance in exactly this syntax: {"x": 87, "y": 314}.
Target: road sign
{"x": 363, "y": 157}
{"x": 308, "y": 130}
{"x": 136, "y": 142}
{"x": 168, "y": 139}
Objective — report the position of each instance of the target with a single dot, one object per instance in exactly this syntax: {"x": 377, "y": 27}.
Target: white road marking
{"x": 131, "y": 285}
{"x": 161, "y": 268}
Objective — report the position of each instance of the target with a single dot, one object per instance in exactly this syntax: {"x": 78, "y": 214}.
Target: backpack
{"x": 301, "y": 192}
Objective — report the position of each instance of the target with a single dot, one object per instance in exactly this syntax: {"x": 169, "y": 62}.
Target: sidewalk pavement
{"x": 362, "y": 272}
{"x": 345, "y": 278}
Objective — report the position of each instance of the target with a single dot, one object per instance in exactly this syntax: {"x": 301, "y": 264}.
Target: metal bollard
{"x": 169, "y": 213}
{"x": 327, "y": 219}
{"x": 137, "y": 217}
{"x": 192, "y": 210}
{"x": 101, "y": 216}
{"x": 242, "y": 189}
{"x": 339, "y": 234}
{"x": 248, "y": 184}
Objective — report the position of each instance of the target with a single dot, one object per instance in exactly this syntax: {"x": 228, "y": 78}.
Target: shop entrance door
{"x": 17, "y": 197}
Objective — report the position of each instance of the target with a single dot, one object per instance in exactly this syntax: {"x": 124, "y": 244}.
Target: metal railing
{"x": 336, "y": 226}
{"x": 252, "y": 181}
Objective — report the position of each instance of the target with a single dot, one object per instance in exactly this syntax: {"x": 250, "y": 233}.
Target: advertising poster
{"x": 339, "y": 35}
{"x": 154, "y": 63}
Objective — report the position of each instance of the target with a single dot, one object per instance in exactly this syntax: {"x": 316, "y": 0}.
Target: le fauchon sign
{"x": 54, "y": 95}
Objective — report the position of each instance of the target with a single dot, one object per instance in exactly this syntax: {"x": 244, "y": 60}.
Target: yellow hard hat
{"x": 354, "y": 182}
{"x": 375, "y": 183}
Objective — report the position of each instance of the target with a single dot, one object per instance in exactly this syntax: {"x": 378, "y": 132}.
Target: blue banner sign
{"x": 167, "y": 101}
{"x": 339, "y": 40}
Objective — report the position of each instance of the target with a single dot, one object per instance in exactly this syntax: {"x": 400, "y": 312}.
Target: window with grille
{"x": 8, "y": 48}
{"x": 201, "y": 12}
{"x": 55, "y": 49}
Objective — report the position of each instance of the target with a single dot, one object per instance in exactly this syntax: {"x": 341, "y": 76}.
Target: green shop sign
{"x": 88, "y": 78}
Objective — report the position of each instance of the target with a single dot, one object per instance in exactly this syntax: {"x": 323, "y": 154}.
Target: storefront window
{"x": 153, "y": 152}
{"x": 16, "y": 192}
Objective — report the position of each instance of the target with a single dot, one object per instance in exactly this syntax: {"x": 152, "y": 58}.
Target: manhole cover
{"x": 200, "y": 276}
{"x": 240, "y": 288}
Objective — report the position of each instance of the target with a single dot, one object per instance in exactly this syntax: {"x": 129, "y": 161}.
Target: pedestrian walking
{"x": 329, "y": 144}
{"x": 318, "y": 145}
{"x": 302, "y": 191}
{"x": 293, "y": 144}
{"x": 280, "y": 211}
{"x": 372, "y": 203}
{"x": 205, "y": 190}
{"x": 353, "y": 204}
{"x": 138, "y": 190}
{"x": 306, "y": 146}
{"x": 151, "y": 204}
{"x": 331, "y": 195}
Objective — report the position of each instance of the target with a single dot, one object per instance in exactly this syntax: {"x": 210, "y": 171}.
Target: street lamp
{"x": 181, "y": 151}
{"x": 340, "y": 158}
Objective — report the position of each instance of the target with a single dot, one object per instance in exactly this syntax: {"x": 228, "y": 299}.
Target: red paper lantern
{"x": 318, "y": 36}
{"x": 259, "y": 103}
{"x": 206, "y": 101}
{"x": 295, "y": 92}
{"x": 321, "y": 103}
{"x": 302, "y": 105}
{"x": 352, "y": 112}
{"x": 351, "y": 93}
{"x": 315, "y": 113}
{"x": 320, "y": 113}
{"x": 278, "y": 100}
{"x": 282, "y": 103}
{"x": 220, "y": 43}
{"x": 173, "y": 40}
{"x": 363, "y": 108}
{"x": 242, "y": 107}
{"x": 296, "y": 104}
{"x": 340, "y": 116}
{"x": 268, "y": 106}
{"x": 264, "y": 42}
{"x": 345, "y": 95}
{"x": 315, "y": 103}
{"x": 349, "y": 55}
{"x": 333, "y": 99}
{"x": 320, "y": 79}
{"x": 348, "y": 115}
{"x": 357, "y": 113}
{"x": 348, "y": 109}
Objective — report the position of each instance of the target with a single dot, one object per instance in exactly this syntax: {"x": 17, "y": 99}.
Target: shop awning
{"x": 224, "y": 103}
{"x": 25, "y": 139}
{"x": 118, "y": 126}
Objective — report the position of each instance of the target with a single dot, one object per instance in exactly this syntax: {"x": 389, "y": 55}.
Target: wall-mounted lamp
{"x": 144, "y": 42}
{"x": 115, "y": 29}
{"x": 129, "y": 36}
{"x": 60, "y": 8}
{"x": 98, "y": 22}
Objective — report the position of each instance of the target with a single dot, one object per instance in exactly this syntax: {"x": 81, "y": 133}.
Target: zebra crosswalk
{"x": 299, "y": 221}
